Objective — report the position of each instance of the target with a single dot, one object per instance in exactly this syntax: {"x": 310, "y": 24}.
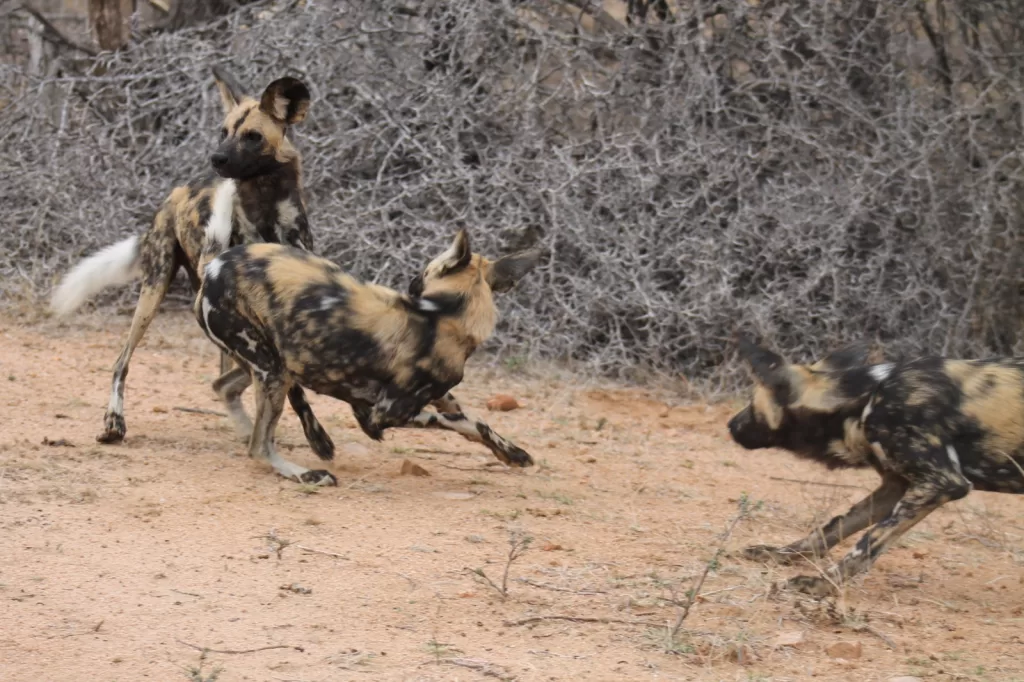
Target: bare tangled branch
{"x": 814, "y": 172}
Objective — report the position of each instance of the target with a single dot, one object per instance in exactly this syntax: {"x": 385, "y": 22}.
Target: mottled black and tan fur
{"x": 297, "y": 320}
{"x": 253, "y": 193}
{"x": 933, "y": 429}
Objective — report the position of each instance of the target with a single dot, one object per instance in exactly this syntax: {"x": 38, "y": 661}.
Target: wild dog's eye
{"x": 223, "y": 133}
{"x": 254, "y": 136}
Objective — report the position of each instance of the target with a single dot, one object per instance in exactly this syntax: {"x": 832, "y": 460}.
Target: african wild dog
{"x": 295, "y": 319}
{"x": 255, "y": 194}
{"x": 932, "y": 428}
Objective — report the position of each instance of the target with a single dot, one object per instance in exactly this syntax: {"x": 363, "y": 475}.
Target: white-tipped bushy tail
{"x": 118, "y": 264}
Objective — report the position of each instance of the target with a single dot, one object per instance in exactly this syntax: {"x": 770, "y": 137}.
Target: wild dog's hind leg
{"x": 271, "y": 390}
{"x": 476, "y": 431}
{"x": 159, "y": 267}
{"x": 229, "y": 386}
{"x": 936, "y": 481}
{"x": 868, "y": 511}
{"x": 225, "y": 326}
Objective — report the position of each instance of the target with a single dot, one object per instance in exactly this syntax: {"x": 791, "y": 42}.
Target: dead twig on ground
{"x": 518, "y": 544}
{"x": 579, "y": 619}
{"x": 320, "y": 551}
{"x": 240, "y": 651}
{"x": 543, "y": 586}
{"x": 483, "y": 667}
{"x": 821, "y": 483}
{"x": 694, "y": 592}
{"x": 91, "y": 631}
{"x": 864, "y": 627}
{"x": 200, "y": 410}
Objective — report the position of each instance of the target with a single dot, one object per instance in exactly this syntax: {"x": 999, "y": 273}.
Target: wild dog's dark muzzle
{"x": 750, "y": 433}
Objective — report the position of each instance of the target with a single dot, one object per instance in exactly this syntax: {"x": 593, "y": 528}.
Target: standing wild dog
{"x": 255, "y": 195}
{"x": 932, "y": 428}
{"x": 294, "y": 319}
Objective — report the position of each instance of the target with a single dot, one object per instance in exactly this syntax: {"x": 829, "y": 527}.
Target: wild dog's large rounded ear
{"x": 771, "y": 369}
{"x": 506, "y": 272}
{"x": 286, "y": 100}
{"x": 458, "y": 255}
{"x": 848, "y": 357}
{"x": 231, "y": 93}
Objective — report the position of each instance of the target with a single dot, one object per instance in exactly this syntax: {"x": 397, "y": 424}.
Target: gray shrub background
{"x": 812, "y": 172}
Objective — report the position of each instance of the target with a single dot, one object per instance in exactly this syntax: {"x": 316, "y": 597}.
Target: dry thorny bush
{"x": 813, "y": 172}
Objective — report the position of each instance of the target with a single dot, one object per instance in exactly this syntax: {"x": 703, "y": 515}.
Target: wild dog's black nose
{"x": 219, "y": 159}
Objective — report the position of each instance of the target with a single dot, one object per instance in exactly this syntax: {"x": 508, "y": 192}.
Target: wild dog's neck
{"x": 835, "y": 438}
{"x": 458, "y": 325}
{"x": 271, "y": 205}
{"x": 282, "y": 182}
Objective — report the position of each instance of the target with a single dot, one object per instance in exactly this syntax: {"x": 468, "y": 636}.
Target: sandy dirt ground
{"x": 123, "y": 562}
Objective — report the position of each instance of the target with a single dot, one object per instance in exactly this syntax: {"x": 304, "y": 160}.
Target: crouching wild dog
{"x": 294, "y": 319}
{"x": 932, "y": 428}
{"x": 255, "y": 195}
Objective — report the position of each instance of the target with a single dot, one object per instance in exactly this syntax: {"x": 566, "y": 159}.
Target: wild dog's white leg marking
{"x": 116, "y": 403}
{"x": 881, "y": 372}
{"x": 328, "y": 302}
{"x": 218, "y": 230}
{"x": 283, "y": 466}
{"x": 427, "y": 306}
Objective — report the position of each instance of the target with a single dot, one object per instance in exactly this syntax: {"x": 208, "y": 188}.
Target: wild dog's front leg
{"x": 870, "y": 510}
{"x": 316, "y": 436}
{"x": 928, "y": 489}
{"x": 476, "y": 431}
{"x": 271, "y": 393}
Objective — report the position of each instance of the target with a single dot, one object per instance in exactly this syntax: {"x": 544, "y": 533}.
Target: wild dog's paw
{"x": 318, "y": 477}
{"x": 114, "y": 428}
{"x": 768, "y": 553}
{"x": 509, "y": 453}
{"x": 812, "y": 585}
{"x": 517, "y": 457}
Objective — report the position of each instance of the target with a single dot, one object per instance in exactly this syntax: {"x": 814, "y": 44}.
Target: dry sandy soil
{"x": 123, "y": 562}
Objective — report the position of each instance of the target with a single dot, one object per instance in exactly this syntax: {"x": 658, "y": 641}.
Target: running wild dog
{"x": 295, "y": 319}
{"x": 933, "y": 429}
{"x": 255, "y": 195}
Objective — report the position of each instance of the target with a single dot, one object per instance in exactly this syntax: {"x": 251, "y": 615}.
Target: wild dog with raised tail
{"x": 297, "y": 320}
{"x": 933, "y": 429}
{"x": 254, "y": 195}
